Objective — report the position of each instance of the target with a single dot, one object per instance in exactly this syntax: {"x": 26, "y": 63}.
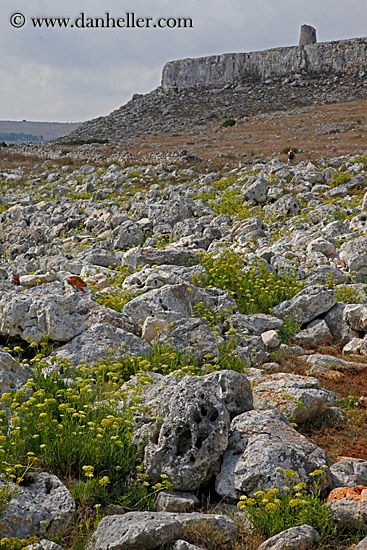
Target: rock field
{"x": 109, "y": 261}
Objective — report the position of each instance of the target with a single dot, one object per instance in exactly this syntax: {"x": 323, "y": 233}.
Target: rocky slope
{"x": 107, "y": 262}
{"x": 195, "y": 93}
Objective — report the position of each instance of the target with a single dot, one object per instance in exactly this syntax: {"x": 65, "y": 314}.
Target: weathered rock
{"x": 362, "y": 545}
{"x": 349, "y": 506}
{"x": 184, "y": 545}
{"x": 298, "y": 397}
{"x": 284, "y": 207}
{"x": 45, "y": 499}
{"x": 170, "y": 303}
{"x": 329, "y": 361}
{"x": 302, "y": 537}
{"x": 44, "y": 544}
{"x": 259, "y": 442}
{"x": 127, "y": 235}
{"x": 317, "y": 333}
{"x": 308, "y": 304}
{"x": 193, "y": 336}
{"x": 255, "y": 191}
{"x": 158, "y": 256}
{"x": 336, "y": 321}
{"x": 151, "y": 328}
{"x": 176, "y": 502}
{"x": 12, "y": 374}
{"x": 35, "y": 313}
{"x": 349, "y": 472}
{"x": 192, "y": 438}
{"x": 196, "y": 413}
{"x": 97, "y": 341}
{"x": 354, "y": 254}
{"x": 270, "y": 339}
{"x": 149, "y": 278}
{"x": 151, "y": 530}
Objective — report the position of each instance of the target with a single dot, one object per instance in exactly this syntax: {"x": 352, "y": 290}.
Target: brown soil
{"x": 266, "y": 135}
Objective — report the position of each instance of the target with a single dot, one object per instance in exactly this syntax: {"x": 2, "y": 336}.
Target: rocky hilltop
{"x": 172, "y": 338}
{"x": 196, "y": 93}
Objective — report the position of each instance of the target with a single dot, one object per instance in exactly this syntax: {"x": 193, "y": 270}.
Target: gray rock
{"x": 40, "y": 311}
{"x": 308, "y": 304}
{"x": 183, "y": 545}
{"x": 12, "y": 374}
{"x": 302, "y": 537}
{"x": 97, "y": 341}
{"x": 44, "y": 499}
{"x": 349, "y": 472}
{"x": 259, "y": 442}
{"x": 176, "y": 502}
{"x": 337, "y": 323}
{"x": 170, "y": 302}
{"x": 354, "y": 254}
{"x": 329, "y": 361}
{"x": 193, "y": 336}
{"x": 362, "y": 545}
{"x": 349, "y": 513}
{"x": 300, "y": 398}
{"x": 317, "y": 333}
{"x": 127, "y": 235}
{"x": 158, "y": 256}
{"x": 256, "y": 191}
{"x": 151, "y": 530}
{"x": 254, "y": 324}
{"x": 192, "y": 438}
{"x": 283, "y": 208}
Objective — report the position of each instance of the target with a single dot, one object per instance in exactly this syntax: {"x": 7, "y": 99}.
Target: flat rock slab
{"x": 308, "y": 304}
{"x": 151, "y": 530}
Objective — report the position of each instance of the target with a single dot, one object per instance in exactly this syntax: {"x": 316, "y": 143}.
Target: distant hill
{"x": 18, "y": 131}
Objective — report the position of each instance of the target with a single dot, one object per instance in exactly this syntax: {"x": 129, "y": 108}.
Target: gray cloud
{"x": 76, "y": 74}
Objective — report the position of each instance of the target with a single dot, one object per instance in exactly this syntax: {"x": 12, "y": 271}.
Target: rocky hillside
{"x": 197, "y": 93}
{"x": 170, "y": 336}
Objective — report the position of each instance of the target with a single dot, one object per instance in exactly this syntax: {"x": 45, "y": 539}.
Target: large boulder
{"x": 149, "y": 278}
{"x": 97, "y": 342}
{"x": 259, "y": 443}
{"x": 196, "y": 414}
{"x": 153, "y": 530}
{"x": 127, "y": 235}
{"x": 170, "y": 302}
{"x": 354, "y": 254}
{"x": 307, "y": 304}
{"x": 43, "y": 500}
{"x": 40, "y": 311}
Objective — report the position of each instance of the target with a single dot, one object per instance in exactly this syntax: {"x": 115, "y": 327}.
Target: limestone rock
{"x": 40, "y": 311}
{"x": 349, "y": 506}
{"x": 307, "y": 304}
{"x": 349, "y": 472}
{"x": 158, "y": 256}
{"x": 151, "y": 328}
{"x": 302, "y": 537}
{"x": 12, "y": 374}
{"x": 96, "y": 342}
{"x": 170, "y": 303}
{"x": 44, "y": 499}
{"x": 259, "y": 442}
{"x": 193, "y": 336}
{"x": 152, "y": 530}
{"x": 176, "y": 502}
{"x": 298, "y": 397}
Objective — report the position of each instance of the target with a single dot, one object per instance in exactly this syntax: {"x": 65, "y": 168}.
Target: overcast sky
{"x": 77, "y": 74}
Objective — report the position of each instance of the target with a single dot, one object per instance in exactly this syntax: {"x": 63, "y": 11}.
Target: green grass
{"x": 255, "y": 290}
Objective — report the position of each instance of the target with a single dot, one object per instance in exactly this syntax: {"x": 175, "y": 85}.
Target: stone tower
{"x": 307, "y": 36}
